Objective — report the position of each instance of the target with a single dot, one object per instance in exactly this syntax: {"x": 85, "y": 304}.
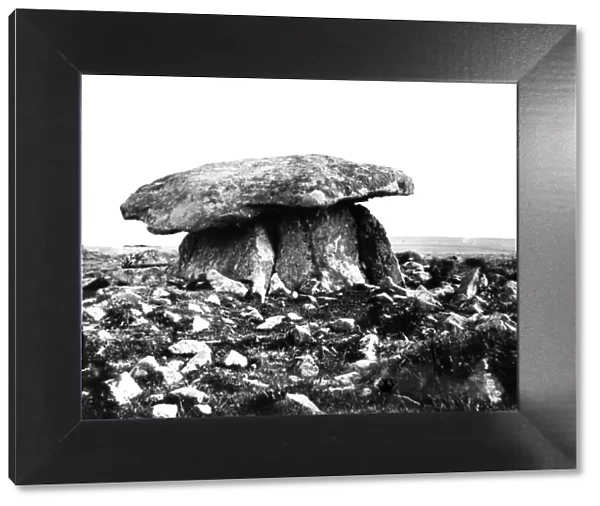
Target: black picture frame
{"x": 51, "y": 49}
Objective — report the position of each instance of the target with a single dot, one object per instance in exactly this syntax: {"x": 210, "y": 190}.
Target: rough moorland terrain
{"x": 155, "y": 345}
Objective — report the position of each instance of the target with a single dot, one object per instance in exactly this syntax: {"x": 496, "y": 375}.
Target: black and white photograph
{"x": 273, "y": 247}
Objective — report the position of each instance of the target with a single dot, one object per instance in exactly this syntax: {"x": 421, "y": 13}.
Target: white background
{"x": 547, "y": 488}
{"x": 457, "y": 141}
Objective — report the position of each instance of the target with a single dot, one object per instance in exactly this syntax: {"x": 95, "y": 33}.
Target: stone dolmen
{"x": 294, "y": 216}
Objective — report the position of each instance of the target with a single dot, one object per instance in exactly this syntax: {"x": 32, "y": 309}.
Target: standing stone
{"x": 319, "y": 244}
{"x": 242, "y": 254}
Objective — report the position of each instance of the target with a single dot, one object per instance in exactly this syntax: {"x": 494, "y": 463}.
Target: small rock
{"x": 146, "y": 308}
{"x": 311, "y": 287}
{"x": 294, "y": 317}
{"x": 300, "y": 334}
{"x": 192, "y": 306}
{"x": 189, "y": 394}
{"x": 175, "y": 365}
{"x": 95, "y": 313}
{"x": 172, "y": 316}
{"x": 294, "y": 295}
{"x": 169, "y": 375}
{"x": 496, "y": 321}
{"x": 308, "y": 298}
{"x": 341, "y": 390}
{"x": 144, "y": 368}
{"x": 187, "y": 347}
{"x": 454, "y": 323}
{"x": 198, "y": 361}
{"x": 160, "y": 293}
{"x": 364, "y": 364}
{"x": 308, "y": 307}
{"x": 160, "y": 301}
{"x": 388, "y": 284}
{"x": 308, "y": 367}
{"x": 164, "y": 411}
{"x": 277, "y": 286}
{"x": 382, "y": 297}
{"x": 156, "y": 398}
{"x": 443, "y": 290}
{"x": 104, "y": 335}
{"x": 368, "y": 346}
{"x": 425, "y": 300}
{"x": 213, "y": 299}
{"x": 271, "y": 323}
{"x": 124, "y": 388}
{"x": 510, "y": 290}
{"x": 343, "y": 325}
{"x": 202, "y": 409}
{"x": 348, "y": 378}
{"x": 200, "y": 324}
{"x": 252, "y": 315}
{"x": 221, "y": 283}
{"x": 322, "y": 332}
{"x": 96, "y": 284}
{"x": 471, "y": 283}
{"x": 255, "y": 383}
{"x": 235, "y": 358}
{"x": 303, "y": 401}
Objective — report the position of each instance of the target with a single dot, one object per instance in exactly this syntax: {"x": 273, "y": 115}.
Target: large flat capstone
{"x": 225, "y": 193}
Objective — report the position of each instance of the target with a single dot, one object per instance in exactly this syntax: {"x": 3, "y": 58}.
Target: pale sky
{"x": 457, "y": 141}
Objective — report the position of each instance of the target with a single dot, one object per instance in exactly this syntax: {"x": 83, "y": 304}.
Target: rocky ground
{"x": 156, "y": 346}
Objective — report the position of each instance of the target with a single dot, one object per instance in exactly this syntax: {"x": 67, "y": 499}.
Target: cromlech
{"x": 294, "y": 217}
{"x": 287, "y": 297}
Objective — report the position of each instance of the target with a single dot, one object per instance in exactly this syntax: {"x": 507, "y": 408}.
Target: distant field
{"x": 454, "y": 245}
{"x": 423, "y": 245}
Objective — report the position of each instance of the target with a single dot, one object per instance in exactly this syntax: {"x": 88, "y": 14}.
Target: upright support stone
{"x": 318, "y": 244}
{"x": 374, "y": 248}
{"x": 240, "y": 253}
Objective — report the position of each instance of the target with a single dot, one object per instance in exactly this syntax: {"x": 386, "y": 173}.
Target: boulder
{"x": 242, "y": 254}
{"x": 225, "y": 193}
